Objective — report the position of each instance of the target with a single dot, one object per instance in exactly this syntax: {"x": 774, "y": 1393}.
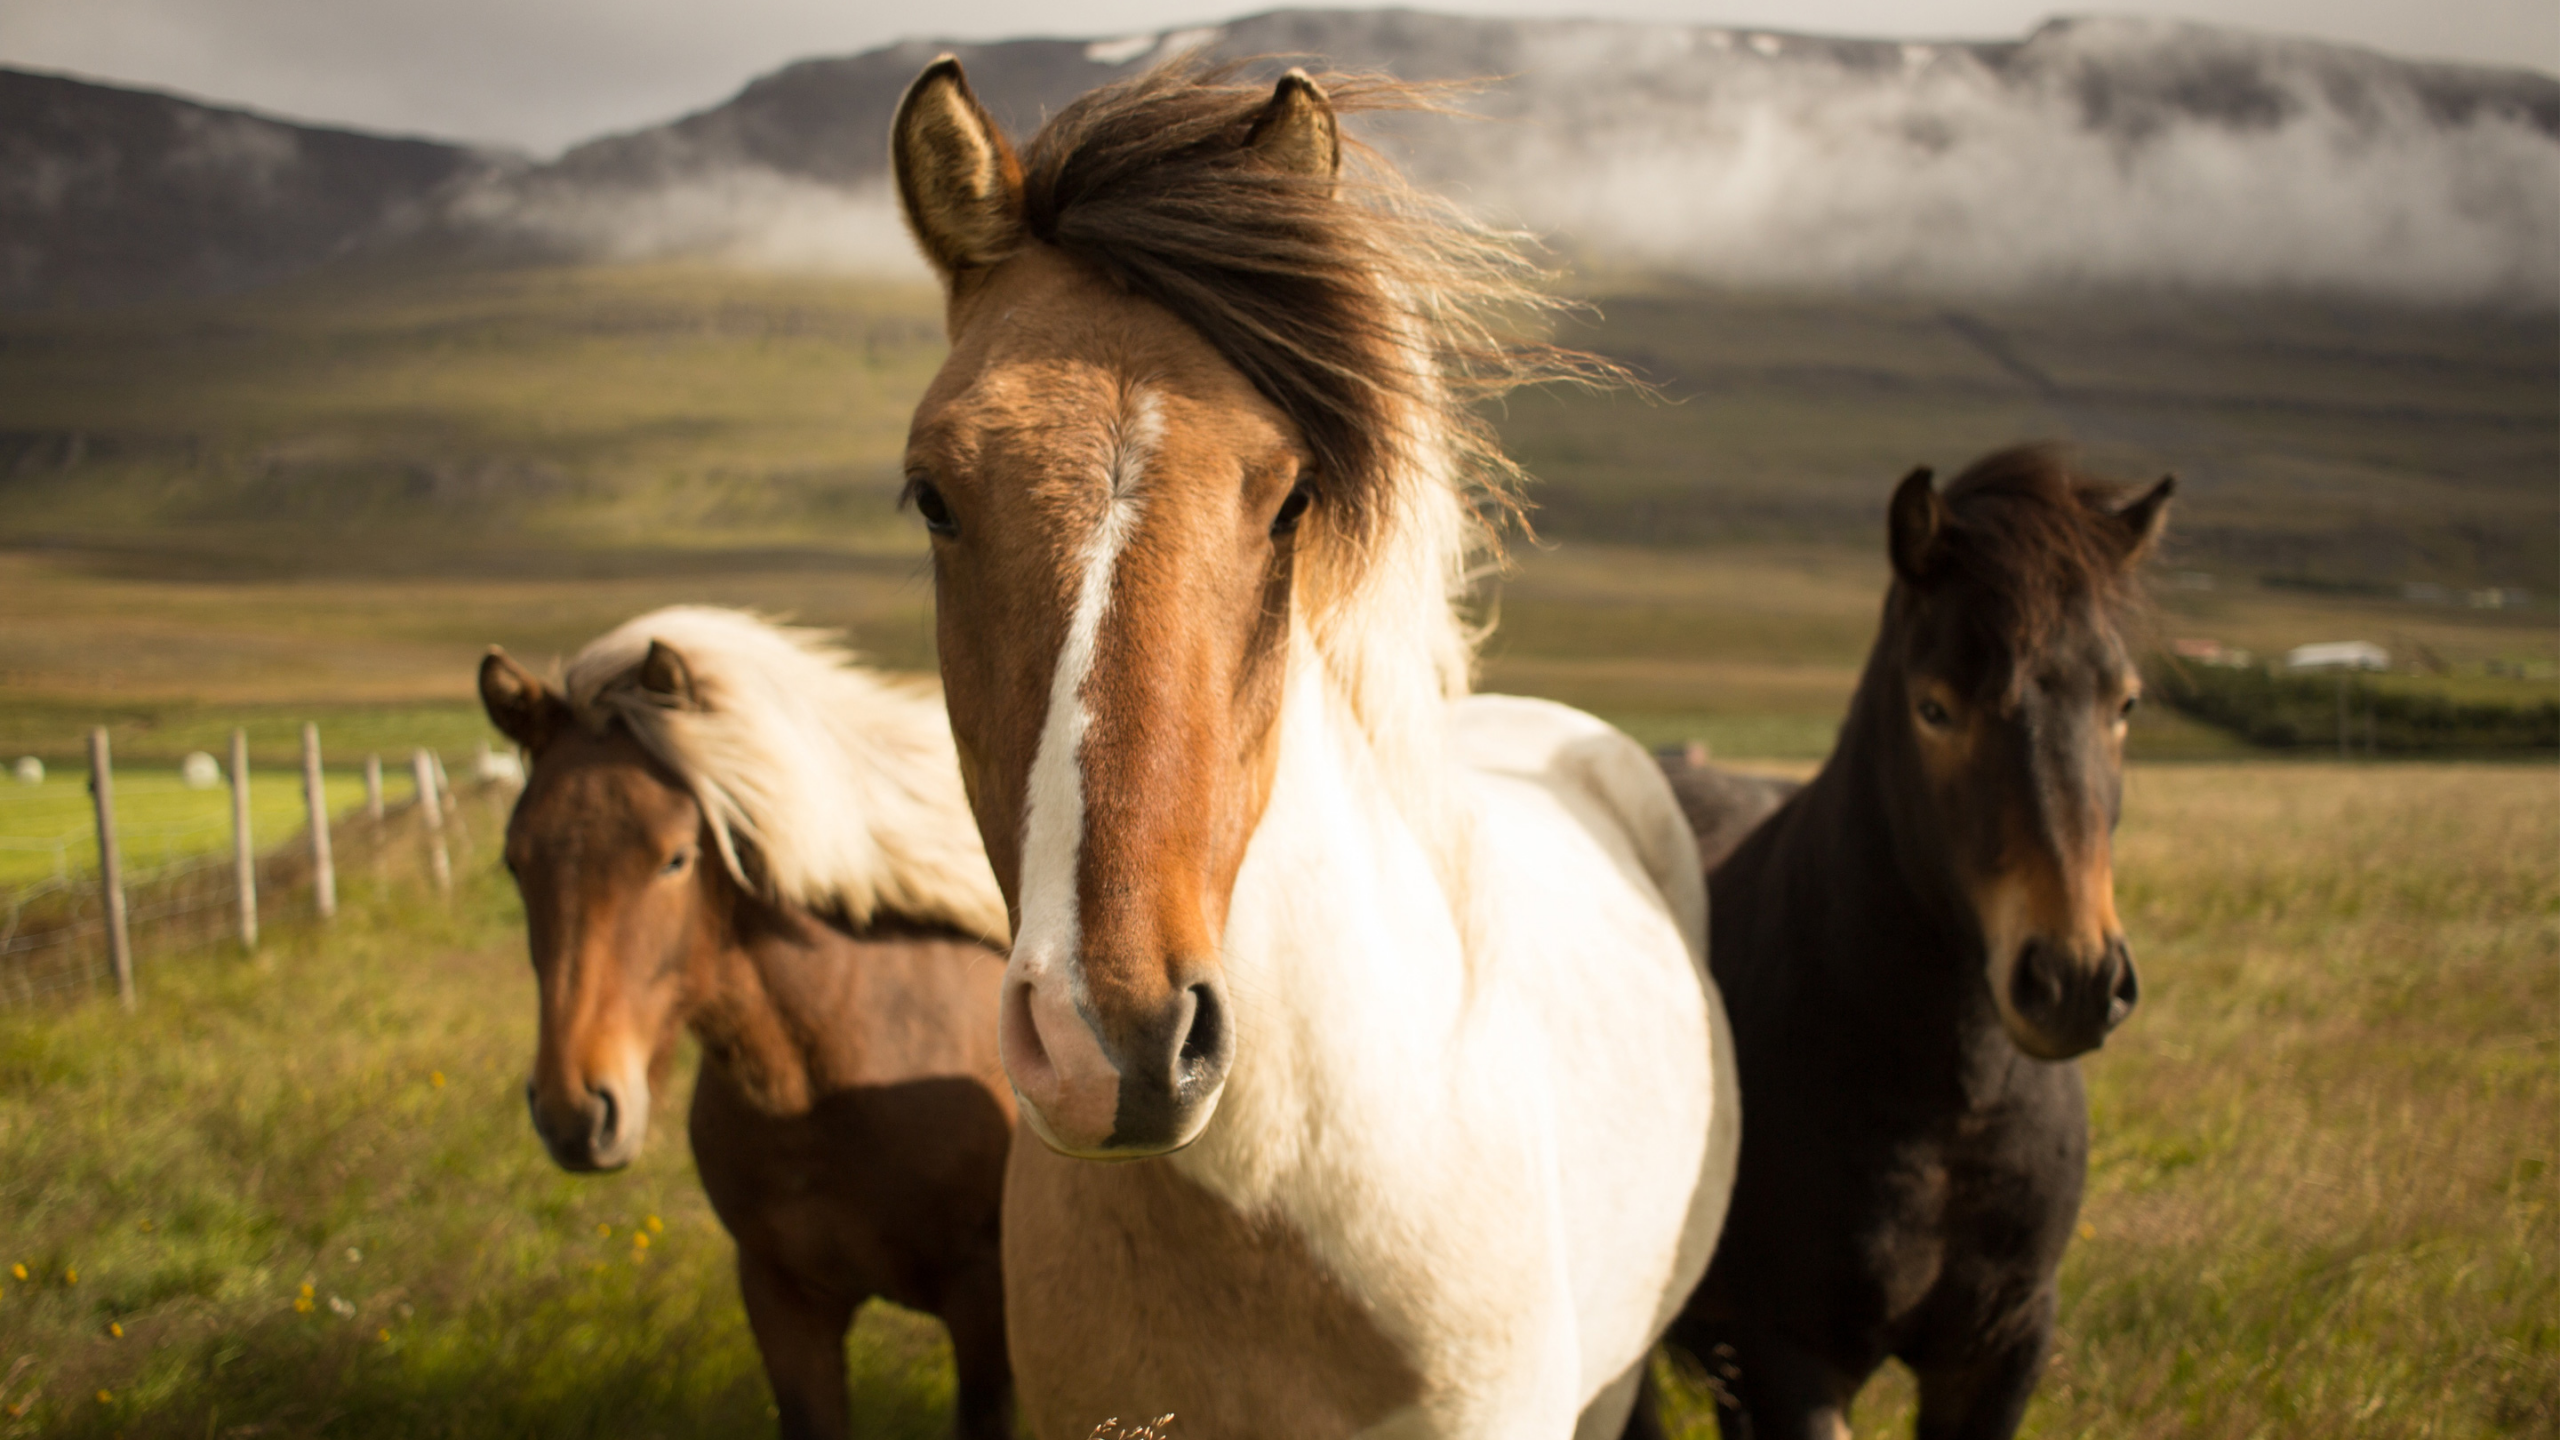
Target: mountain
{"x": 111, "y": 196}
{"x": 2115, "y": 151}
{"x": 2108, "y": 152}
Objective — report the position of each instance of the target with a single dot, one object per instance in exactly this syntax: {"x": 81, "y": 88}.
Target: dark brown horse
{"x": 850, "y": 1120}
{"x": 1912, "y": 949}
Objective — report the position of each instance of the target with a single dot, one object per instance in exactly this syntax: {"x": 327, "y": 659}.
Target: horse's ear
{"x": 667, "y": 679}
{"x": 958, "y": 180}
{"x": 1297, "y": 131}
{"x": 519, "y": 704}
{"x": 2142, "y": 521}
{"x": 1914, "y": 522}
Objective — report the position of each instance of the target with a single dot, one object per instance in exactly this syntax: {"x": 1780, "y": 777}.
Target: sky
{"x": 538, "y": 75}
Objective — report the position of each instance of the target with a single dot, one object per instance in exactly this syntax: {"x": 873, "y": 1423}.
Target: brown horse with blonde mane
{"x": 729, "y": 830}
{"x": 1381, "y": 1086}
{"x": 1915, "y": 946}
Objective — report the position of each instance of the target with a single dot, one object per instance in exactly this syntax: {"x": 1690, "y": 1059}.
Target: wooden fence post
{"x": 315, "y": 791}
{"x": 373, "y": 788}
{"x": 440, "y": 863}
{"x": 102, "y": 786}
{"x": 244, "y": 852}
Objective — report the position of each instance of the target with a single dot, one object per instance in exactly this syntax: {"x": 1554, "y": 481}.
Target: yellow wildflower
{"x": 436, "y": 1078}
{"x": 383, "y": 1334}
{"x": 656, "y": 1225}
{"x": 70, "y": 1275}
{"x": 603, "y": 1231}
{"x": 2088, "y": 1231}
{"x": 104, "y": 1398}
{"x": 115, "y": 1329}
{"x": 639, "y": 1240}
{"x": 19, "y": 1270}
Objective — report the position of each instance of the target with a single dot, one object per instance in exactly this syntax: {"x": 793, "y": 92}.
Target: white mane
{"x": 844, "y": 781}
{"x": 1391, "y": 630}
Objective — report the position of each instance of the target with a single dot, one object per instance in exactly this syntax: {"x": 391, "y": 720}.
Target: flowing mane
{"x": 1374, "y": 315}
{"x": 843, "y": 783}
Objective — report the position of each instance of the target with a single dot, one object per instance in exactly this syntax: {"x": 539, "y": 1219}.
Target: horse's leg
{"x": 1786, "y": 1392}
{"x": 973, "y": 1311}
{"x": 802, "y": 1339}
{"x": 1986, "y": 1398}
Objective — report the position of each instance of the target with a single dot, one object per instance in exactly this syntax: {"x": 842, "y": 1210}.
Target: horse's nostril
{"x": 1205, "y": 1042}
{"x": 2127, "y": 991}
{"x": 608, "y": 1118}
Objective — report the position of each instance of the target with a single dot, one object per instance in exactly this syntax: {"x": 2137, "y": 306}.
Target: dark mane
{"x": 2029, "y": 541}
{"x": 1369, "y": 313}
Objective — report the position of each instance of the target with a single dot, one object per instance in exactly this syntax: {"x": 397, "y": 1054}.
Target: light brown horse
{"x": 1364, "y": 1020}
{"x": 726, "y": 830}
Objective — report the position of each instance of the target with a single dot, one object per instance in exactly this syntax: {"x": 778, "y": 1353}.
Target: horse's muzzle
{"x": 599, "y": 1129}
{"x": 2062, "y": 1005}
{"x": 1101, "y": 1090}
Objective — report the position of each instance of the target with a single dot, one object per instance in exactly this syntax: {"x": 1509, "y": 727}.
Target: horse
{"x": 731, "y": 830}
{"x": 1914, "y": 947}
{"x": 1723, "y": 806}
{"x": 1363, "y": 1022}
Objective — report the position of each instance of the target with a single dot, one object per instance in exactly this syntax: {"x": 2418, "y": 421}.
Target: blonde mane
{"x": 843, "y": 782}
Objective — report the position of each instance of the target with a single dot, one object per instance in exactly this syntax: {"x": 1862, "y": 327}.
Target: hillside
{"x": 423, "y": 419}
{"x": 2093, "y": 153}
{"x": 112, "y": 197}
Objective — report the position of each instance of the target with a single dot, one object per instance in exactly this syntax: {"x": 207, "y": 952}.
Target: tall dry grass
{"x": 2322, "y": 1198}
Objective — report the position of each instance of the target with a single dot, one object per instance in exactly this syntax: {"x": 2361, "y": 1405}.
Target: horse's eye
{"x": 2125, "y": 710}
{"x": 1934, "y": 713}
{"x": 927, "y": 498}
{"x": 676, "y": 862}
{"x": 1293, "y": 509}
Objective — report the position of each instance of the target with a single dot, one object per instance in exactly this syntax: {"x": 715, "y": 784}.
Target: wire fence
{"x": 190, "y": 892}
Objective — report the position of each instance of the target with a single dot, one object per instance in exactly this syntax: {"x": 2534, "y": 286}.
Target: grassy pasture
{"x": 2323, "y": 1201}
{"x": 158, "y": 819}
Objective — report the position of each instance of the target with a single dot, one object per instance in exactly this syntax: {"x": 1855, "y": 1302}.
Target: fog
{"x": 2095, "y": 153}
{"x": 1941, "y": 174}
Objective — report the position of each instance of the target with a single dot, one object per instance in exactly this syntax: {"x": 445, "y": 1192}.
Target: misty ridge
{"x": 2096, "y": 152}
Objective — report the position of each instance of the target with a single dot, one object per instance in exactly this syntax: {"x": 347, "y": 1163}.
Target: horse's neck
{"x": 777, "y": 1004}
{"x": 1340, "y": 931}
{"x": 1884, "y": 945}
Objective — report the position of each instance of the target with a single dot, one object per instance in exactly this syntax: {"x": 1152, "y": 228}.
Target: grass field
{"x": 2323, "y": 1200}
{"x": 298, "y": 1197}
{"x": 52, "y": 828}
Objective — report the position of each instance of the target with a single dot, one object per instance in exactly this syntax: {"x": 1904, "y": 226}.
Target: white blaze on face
{"x": 1053, "y": 816}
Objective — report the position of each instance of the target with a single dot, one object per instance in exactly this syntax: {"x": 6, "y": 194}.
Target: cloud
{"x": 741, "y": 215}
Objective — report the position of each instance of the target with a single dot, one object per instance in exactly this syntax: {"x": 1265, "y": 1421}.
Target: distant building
{"x": 2212, "y": 652}
{"x": 2338, "y": 655}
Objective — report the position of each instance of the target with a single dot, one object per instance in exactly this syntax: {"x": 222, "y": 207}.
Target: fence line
{"x": 315, "y": 793}
{"x": 57, "y": 934}
{"x": 244, "y": 851}
{"x": 102, "y": 788}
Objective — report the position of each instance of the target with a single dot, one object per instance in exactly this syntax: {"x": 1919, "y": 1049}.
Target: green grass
{"x": 2323, "y": 1198}
{"x": 159, "y": 820}
{"x": 347, "y": 1116}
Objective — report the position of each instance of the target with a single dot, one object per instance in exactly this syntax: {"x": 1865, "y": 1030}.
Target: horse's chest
{"x": 1967, "y": 1219}
{"x": 1133, "y": 1292}
{"x": 873, "y": 1189}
